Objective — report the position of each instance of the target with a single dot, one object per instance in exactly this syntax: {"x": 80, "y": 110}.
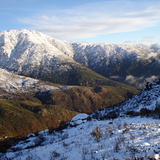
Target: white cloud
{"x": 152, "y": 54}
{"x": 96, "y": 19}
{"x": 140, "y": 82}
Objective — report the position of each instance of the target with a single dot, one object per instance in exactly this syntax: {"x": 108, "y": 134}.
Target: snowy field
{"x": 120, "y": 139}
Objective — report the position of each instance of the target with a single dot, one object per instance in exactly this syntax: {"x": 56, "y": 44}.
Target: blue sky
{"x": 108, "y": 21}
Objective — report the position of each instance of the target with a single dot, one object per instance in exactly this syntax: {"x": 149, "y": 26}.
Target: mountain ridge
{"x": 29, "y": 105}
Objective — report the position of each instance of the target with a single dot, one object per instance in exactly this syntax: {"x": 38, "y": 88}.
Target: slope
{"x": 124, "y": 137}
{"x": 30, "y": 105}
{"x": 19, "y": 118}
{"x": 145, "y": 103}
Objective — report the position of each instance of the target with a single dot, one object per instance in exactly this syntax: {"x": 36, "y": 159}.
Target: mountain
{"x": 34, "y": 54}
{"x": 145, "y": 103}
{"x": 21, "y": 112}
{"x": 131, "y": 133}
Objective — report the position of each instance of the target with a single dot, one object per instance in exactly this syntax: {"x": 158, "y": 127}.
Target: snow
{"x": 107, "y": 134}
{"x": 79, "y": 119}
{"x": 145, "y": 99}
{"x": 81, "y": 116}
{"x": 22, "y": 51}
{"x": 138, "y": 137}
{"x": 43, "y": 133}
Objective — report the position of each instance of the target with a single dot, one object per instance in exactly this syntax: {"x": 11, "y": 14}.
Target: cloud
{"x": 129, "y": 42}
{"x": 115, "y": 77}
{"x": 148, "y": 37}
{"x": 140, "y": 82}
{"x": 95, "y": 19}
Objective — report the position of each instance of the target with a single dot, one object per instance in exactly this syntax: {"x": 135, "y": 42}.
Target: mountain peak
{"x": 24, "y": 34}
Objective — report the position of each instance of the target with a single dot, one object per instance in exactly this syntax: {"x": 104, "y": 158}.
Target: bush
{"x": 97, "y": 89}
{"x": 96, "y": 133}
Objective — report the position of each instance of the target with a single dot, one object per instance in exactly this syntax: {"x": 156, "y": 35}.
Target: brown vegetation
{"x": 21, "y": 114}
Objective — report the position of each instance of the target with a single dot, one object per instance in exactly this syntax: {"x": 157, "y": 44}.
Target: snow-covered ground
{"x": 120, "y": 139}
{"x": 89, "y": 138}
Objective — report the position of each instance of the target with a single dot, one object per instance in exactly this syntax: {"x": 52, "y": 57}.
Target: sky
{"x": 95, "y": 21}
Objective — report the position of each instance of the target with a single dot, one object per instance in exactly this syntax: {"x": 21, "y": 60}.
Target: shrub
{"x": 97, "y": 89}
{"x": 145, "y": 111}
{"x": 54, "y": 155}
{"x": 96, "y": 133}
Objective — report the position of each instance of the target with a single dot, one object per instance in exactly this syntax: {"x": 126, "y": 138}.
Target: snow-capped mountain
{"x": 125, "y": 131}
{"x": 98, "y": 136}
{"x": 37, "y": 55}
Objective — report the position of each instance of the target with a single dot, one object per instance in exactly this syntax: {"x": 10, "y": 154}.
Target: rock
{"x": 79, "y": 119}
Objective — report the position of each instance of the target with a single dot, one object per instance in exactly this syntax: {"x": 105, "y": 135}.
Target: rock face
{"x": 37, "y": 55}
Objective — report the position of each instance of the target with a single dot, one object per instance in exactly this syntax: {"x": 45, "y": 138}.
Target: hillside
{"x": 30, "y": 105}
{"x": 19, "y": 118}
{"x": 101, "y": 135}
